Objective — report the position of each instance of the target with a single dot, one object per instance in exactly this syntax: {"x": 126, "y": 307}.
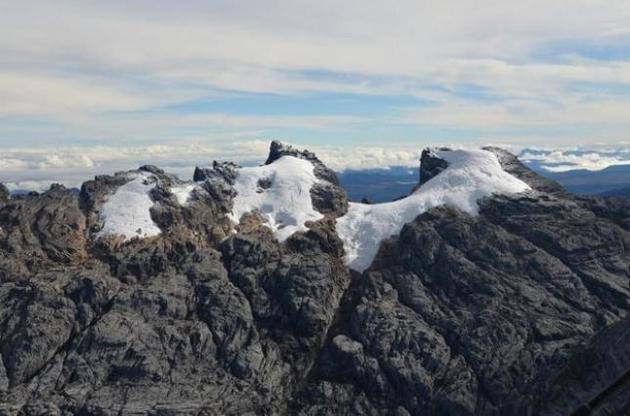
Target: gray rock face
{"x": 225, "y": 171}
{"x": 328, "y": 197}
{"x": 278, "y": 149}
{"x": 196, "y": 320}
{"x": 520, "y": 310}
{"x": 46, "y": 227}
{"x": 461, "y": 315}
{"x": 594, "y": 381}
{"x": 431, "y": 165}
{"x": 4, "y": 194}
{"x": 511, "y": 164}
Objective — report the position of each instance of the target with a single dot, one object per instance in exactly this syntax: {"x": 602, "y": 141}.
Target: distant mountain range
{"x": 621, "y": 192}
{"x": 612, "y": 181}
{"x": 379, "y": 185}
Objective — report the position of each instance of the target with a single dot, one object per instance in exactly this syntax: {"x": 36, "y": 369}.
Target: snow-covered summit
{"x": 127, "y": 211}
{"x": 293, "y": 188}
{"x": 280, "y": 191}
{"x": 278, "y": 149}
{"x": 464, "y": 178}
{"x": 287, "y": 192}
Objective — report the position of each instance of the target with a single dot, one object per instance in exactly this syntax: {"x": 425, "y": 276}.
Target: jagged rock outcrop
{"x": 328, "y": 197}
{"x": 278, "y": 149}
{"x": 511, "y": 164}
{"x": 4, "y": 194}
{"x": 42, "y": 229}
{"x": 521, "y": 309}
{"x": 223, "y": 171}
{"x": 430, "y": 165}
{"x": 456, "y": 317}
{"x": 464, "y": 315}
{"x": 195, "y": 319}
{"x": 594, "y": 381}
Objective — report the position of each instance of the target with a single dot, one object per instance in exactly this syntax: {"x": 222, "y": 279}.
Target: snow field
{"x": 470, "y": 176}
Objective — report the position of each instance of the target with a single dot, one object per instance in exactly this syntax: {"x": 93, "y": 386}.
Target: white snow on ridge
{"x": 127, "y": 211}
{"x": 286, "y": 204}
{"x": 471, "y": 175}
{"x": 182, "y": 192}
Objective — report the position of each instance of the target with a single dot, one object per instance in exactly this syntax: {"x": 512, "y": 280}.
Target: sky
{"x": 91, "y": 86}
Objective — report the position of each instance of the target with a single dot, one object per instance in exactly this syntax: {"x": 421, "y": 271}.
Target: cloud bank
{"x": 36, "y": 169}
{"x": 117, "y": 77}
{"x": 565, "y": 160}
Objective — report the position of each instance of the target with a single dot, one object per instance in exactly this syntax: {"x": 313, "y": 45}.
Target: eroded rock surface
{"x": 430, "y": 165}
{"x": 519, "y": 310}
{"x": 4, "y": 194}
{"x": 328, "y": 197}
{"x": 200, "y": 318}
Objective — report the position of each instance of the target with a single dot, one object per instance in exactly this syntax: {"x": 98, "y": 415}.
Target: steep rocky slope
{"x": 516, "y": 308}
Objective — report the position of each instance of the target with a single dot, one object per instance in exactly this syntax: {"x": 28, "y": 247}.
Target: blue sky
{"x": 382, "y": 78}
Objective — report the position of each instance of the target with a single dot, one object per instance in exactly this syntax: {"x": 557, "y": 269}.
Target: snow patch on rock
{"x": 470, "y": 176}
{"x": 127, "y": 211}
{"x": 182, "y": 192}
{"x": 280, "y": 192}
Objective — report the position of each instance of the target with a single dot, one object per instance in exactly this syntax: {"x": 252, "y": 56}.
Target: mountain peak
{"x": 261, "y": 290}
{"x": 431, "y": 164}
{"x": 278, "y": 149}
{"x": 454, "y": 178}
{"x": 512, "y": 165}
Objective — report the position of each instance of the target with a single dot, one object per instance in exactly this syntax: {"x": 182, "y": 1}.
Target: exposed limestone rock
{"x": 511, "y": 164}
{"x": 593, "y": 382}
{"x": 328, "y": 197}
{"x": 431, "y": 165}
{"x": 464, "y": 315}
{"x": 4, "y": 194}
{"x": 225, "y": 171}
{"x": 278, "y": 149}
{"x": 522, "y": 309}
{"x": 47, "y": 227}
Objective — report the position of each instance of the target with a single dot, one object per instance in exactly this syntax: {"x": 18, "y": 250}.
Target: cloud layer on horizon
{"x": 36, "y": 168}
{"x": 566, "y": 160}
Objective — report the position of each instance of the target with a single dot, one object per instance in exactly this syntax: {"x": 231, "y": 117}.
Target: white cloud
{"x": 33, "y": 94}
{"x": 37, "y": 168}
{"x": 248, "y": 46}
{"x": 461, "y": 114}
{"x": 564, "y": 160}
{"x": 375, "y": 37}
{"x": 101, "y": 68}
{"x": 73, "y": 165}
{"x": 37, "y": 186}
{"x": 43, "y": 159}
{"x": 369, "y": 157}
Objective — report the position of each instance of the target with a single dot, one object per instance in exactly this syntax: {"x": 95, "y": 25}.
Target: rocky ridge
{"x": 521, "y": 309}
